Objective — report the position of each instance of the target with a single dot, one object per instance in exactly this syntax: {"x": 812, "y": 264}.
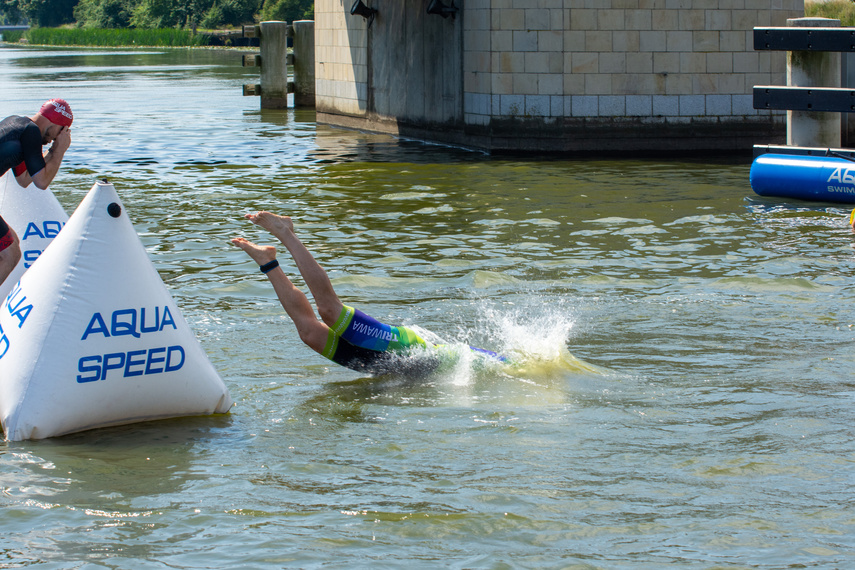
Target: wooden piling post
{"x": 274, "y": 70}
{"x": 274, "y": 60}
{"x": 304, "y": 63}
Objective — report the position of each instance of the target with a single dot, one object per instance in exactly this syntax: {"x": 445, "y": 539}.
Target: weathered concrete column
{"x": 304, "y": 63}
{"x": 847, "y": 119}
{"x": 274, "y": 65}
{"x": 813, "y": 69}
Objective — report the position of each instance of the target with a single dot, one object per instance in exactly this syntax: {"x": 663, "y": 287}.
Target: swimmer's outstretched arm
{"x": 312, "y": 332}
{"x": 329, "y": 305}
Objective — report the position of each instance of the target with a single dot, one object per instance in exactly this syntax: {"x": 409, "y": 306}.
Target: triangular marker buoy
{"x": 35, "y": 215}
{"x": 91, "y": 337}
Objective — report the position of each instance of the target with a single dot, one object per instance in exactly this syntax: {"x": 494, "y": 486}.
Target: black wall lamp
{"x": 360, "y": 9}
{"x": 438, "y": 8}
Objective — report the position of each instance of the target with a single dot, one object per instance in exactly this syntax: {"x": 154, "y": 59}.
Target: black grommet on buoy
{"x": 114, "y": 210}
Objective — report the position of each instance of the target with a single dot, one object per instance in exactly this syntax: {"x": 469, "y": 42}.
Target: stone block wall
{"x": 635, "y": 58}
{"x": 341, "y": 55}
{"x": 570, "y": 75}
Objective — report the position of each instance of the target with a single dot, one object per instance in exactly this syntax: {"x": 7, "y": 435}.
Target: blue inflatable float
{"x": 818, "y": 178}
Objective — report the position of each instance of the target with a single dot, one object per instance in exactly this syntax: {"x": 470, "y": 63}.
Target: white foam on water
{"x": 531, "y": 336}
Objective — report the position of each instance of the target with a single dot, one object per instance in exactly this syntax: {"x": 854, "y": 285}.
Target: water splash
{"x": 535, "y": 331}
{"x": 530, "y": 337}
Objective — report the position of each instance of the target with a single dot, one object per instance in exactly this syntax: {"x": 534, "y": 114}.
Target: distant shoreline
{"x": 4, "y": 43}
{"x": 129, "y": 38}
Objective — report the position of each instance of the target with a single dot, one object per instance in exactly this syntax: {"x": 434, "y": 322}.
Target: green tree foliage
{"x": 43, "y": 12}
{"x": 288, "y": 10}
{"x": 154, "y": 13}
{"x": 161, "y": 14}
{"x": 191, "y": 13}
{"x": 10, "y": 14}
{"x": 229, "y": 12}
{"x": 103, "y": 13}
{"x": 843, "y": 10}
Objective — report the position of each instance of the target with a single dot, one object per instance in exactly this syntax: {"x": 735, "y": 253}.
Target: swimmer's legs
{"x": 329, "y": 305}
{"x": 9, "y": 257}
{"x": 312, "y": 332}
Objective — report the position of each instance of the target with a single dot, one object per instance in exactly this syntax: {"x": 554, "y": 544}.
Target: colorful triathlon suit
{"x": 362, "y": 343}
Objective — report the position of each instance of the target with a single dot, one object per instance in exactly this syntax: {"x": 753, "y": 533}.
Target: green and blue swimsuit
{"x": 362, "y": 343}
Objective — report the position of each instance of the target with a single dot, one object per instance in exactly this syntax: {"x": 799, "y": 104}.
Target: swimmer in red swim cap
{"x": 22, "y": 138}
{"x": 21, "y": 142}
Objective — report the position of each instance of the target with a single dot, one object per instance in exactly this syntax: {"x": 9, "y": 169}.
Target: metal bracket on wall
{"x": 436, "y": 7}
{"x": 360, "y": 9}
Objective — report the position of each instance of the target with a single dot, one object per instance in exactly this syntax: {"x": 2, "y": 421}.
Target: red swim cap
{"x": 57, "y": 112}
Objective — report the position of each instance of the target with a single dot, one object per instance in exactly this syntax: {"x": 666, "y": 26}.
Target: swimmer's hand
{"x": 61, "y": 142}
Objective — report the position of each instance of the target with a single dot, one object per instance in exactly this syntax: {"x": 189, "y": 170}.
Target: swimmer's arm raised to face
{"x": 53, "y": 158}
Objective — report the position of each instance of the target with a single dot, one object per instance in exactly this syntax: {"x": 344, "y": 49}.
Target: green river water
{"x": 684, "y": 396}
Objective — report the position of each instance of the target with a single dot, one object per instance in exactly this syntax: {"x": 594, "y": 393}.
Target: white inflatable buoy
{"x": 35, "y": 215}
{"x": 90, "y": 336}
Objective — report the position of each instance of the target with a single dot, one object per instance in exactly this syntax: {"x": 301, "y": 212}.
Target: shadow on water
{"x": 340, "y": 145}
{"x": 121, "y": 462}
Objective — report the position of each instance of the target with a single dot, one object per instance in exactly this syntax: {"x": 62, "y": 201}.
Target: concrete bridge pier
{"x": 813, "y": 69}
{"x": 274, "y": 67}
{"x": 304, "y": 63}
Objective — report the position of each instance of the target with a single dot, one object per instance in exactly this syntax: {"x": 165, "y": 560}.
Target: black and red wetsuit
{"x": 20, "y": 144}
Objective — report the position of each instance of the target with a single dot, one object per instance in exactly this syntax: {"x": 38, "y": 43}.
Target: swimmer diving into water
{"x": 345, "y": 335}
